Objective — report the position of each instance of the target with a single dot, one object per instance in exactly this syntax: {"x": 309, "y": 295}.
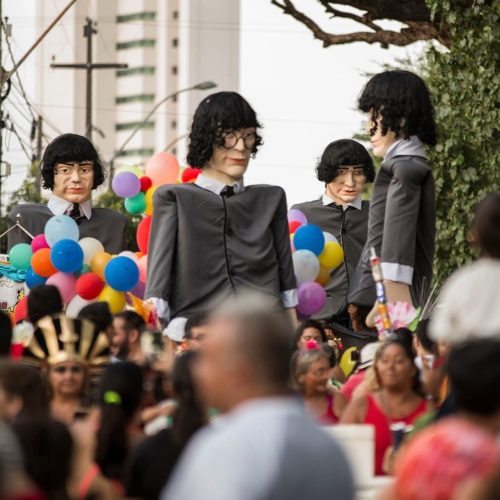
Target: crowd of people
{"x": 224, "y": 391}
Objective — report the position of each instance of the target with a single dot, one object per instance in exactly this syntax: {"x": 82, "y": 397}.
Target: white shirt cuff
{"x": 397, "y": 272}
{"x": 161, "y": 308}
{"x": 289, "y": 298}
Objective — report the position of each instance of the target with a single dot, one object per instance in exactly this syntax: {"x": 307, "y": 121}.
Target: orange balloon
{"x": 99, "y": 262}
{"x": 41, "y": 263}
{"x": 162, "y": 168}
{"x": 323, "y": 276}
{"x": 140, "y": 254}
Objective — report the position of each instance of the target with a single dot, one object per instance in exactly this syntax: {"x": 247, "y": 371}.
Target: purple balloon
{"x": 296, "y": 215}
{"x": 139, "y": 290}
{"x": 126, "y": 184}
{"x": 312, "y": 298}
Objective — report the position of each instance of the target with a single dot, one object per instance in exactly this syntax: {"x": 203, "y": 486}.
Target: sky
{"x": 305, "y": 95}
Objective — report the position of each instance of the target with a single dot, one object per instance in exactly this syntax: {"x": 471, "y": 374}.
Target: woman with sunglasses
{"x": 217, "y": 236}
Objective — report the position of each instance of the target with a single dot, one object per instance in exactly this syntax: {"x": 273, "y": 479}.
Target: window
{"x": 135, "y": 98}
{"x": 133, "y": 125}
{"x": 143, "y": 70}
{"x": 173, "y": 124}
{"x": 138, "y": 16}
{"x": 175, "y": 42}
{"x": 174, "y": 70}
{"x": 136, "y": 44}
{"x": 175, "y": 14}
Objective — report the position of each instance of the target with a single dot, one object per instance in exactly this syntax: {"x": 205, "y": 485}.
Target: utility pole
{"x": 90, "y": 66}
{"x": 39, "y": 134}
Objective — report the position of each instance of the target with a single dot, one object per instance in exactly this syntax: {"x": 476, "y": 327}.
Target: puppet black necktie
{"x": 75, "y": 213}
{"x": 227, "y": 192}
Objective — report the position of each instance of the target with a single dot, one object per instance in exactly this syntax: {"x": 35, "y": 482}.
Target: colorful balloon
{"x": 75, "y": 305}
{"x": 84, "y": 269}
{"x": 65, "y": 283}
{"x": 190, "y": 174}
{"x": 114, "y": 299}
{"x": 162, "y": 168}
{"x": 121, "y": 273}
{"x": 139, "y": 290}
{"x": 89, "y": 286}
{"x": 332, "y": 255}
{"x": 99, "y": 262}
{"x": 329, "y": 237}
{"x": 126, "y": 184}
{"x": 149, "y": 200}
{"x": 312, "y": 298}
{"x": 33, "y": 279}
{"x": 143, "y": 268}
{"x": 67, "y": 256}
{"x": 309, "y": 237}
{"x": 293, "y": 226}
{"x": 136, "y": 205}
{"x": 20, "y": 256}
{"x": 21, "y": 310}
{"x": 41, "y": 263}
{"x": 142, "y": 234}
{"x": 90, "y": 247}
{"x": 38, "y": 242}
{"x": 296, "y": 215}
{"x": 61, "y": 227}
{"x": 305, "y": 265}
{"x": 323, "y": 276}
{"x": 130, "y": 255}
{"x": 146, "y": 183}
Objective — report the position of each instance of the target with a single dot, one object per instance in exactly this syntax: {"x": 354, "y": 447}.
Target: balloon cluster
{"x": 80, "y": 268}
{"x": 138, "y": 188}
{"x": 315, "y": 255}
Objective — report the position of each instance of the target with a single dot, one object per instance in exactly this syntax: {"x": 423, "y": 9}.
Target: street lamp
{"x": 199, "y": 86}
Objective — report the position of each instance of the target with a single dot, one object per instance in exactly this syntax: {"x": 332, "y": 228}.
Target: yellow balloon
{"x": 149, "y": 200}
{"x": 323, "y": 276}
{"x": 99, "y": 262}
{"x": 332, "y": 255}
{"x": 346, "y": 363}
{"x": 114, "y": 299}
{"x": 134, "y": 169}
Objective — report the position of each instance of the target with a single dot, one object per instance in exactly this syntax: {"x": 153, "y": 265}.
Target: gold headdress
{"x": 58, "y": 339}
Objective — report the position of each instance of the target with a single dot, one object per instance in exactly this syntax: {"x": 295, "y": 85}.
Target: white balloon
{"x": 305, "y": 265}
{"x": 130, "y": 255}
{"x": 329, "y": 237}
{"x": 90, "y": 247}
{"x": 75, "y": 305}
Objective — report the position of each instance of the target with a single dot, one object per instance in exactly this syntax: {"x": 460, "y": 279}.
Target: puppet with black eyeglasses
{"x": 71, "y": 169}
{"x": 215, "y": 237}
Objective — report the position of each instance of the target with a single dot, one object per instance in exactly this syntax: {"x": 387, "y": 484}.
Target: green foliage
{"x": 465, "y": 85}
{"x": 110, "y": 200}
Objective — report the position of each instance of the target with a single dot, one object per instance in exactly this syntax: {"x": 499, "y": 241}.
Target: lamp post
{"x": 199, "y": 86}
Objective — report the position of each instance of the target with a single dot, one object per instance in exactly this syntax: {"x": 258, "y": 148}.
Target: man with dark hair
{"x": 126, "y": 337}
{"x": 71, "y": 169}
{"x": 345, "y": 167}
{"x": 264, "y": 446}
{"x": 196, "y": 330}
{"x": 217, "y": 236}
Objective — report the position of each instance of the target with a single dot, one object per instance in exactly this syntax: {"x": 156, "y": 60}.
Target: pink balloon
{"x": 162, "y": 168}
{"x": 143, "y": 268}
{"x": 38, "y": 242}
{"x": 296, "y": 215}
{"x": 65, "y": 283}
{"x": 312, "y": 298}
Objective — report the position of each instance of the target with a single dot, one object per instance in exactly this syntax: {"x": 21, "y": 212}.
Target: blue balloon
{"x": 121, "y": 273}
{"x": 33, "y": 280}
{"x": 67, "y": 256}
{"x": 309, "y": 237}
{"x": 61, "y": 227}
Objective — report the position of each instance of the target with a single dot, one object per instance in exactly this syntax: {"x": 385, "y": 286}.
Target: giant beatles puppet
{"x": 216, "y": 237}
{"x": 401, "y": 224}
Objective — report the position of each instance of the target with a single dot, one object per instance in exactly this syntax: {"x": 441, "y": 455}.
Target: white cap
{"x": 176, "y": 329}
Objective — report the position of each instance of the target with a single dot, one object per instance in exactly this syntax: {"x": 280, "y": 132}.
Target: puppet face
{"x": 231, "y": 160}
{"x": 73, "y": 181}
{"x": 347, "y": 185}
{"x": 380, "y": 143}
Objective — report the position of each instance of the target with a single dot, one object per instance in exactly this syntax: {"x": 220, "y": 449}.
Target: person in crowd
{"x": 99, "y": 314}
{"x": 119, "y": 432}
{"x": 312, "y": 373}
{"x": 47, "y": 449}
{"x": 126, "y": 337}
{"x": 196, "y": 330}
{"x": 5, "y": 334}
{"x": 23, "y": 392}
{"x": 345, "y": 167}
{"x": 401, "y": 224}
{"x": 399, "y": 398}
{"x": 243, "y": 370}
{"x": 44, "y": 300}
{"x": 72, "y": 352}
{"x": 71, "y": 169}
{"x": 154, "y": 459}
{"x": 227, "y": 236}
{"x": 470, "y": 296}
{"x": 309, "y": 330}
{"x": 463, "y": 449}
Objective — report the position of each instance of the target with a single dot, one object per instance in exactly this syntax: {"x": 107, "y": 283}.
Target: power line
{"x": 13, "y": 129}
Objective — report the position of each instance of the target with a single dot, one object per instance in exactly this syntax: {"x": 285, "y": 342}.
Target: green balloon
{"x": 136, "y": 205}
{"x": 20, "y": 256}
{"x": 85, "y": 269}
